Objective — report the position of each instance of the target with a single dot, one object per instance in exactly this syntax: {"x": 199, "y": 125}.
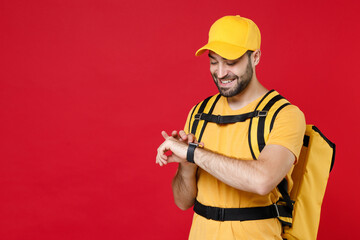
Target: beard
{"x": 241, "y": 82}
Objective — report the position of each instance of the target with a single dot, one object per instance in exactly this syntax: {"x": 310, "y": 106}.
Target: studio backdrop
{"x": 86, "y": 87}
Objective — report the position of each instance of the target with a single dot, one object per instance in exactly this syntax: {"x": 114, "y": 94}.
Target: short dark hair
{"x": 249, "y": 52}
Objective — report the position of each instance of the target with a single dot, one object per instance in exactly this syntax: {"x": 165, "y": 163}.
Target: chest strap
{"x": 229, "y": 118}
{"x": 240, "y": 214}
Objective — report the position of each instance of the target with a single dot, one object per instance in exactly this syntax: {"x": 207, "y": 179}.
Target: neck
{"x": 252, "y": 92}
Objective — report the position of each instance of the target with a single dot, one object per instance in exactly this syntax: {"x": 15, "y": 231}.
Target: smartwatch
{"x": 190, "y": 152}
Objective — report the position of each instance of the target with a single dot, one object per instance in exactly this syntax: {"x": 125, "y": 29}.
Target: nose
{"x": 222, "y": 71}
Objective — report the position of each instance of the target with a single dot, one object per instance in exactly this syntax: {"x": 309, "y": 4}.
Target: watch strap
{"x": 190, "y": 152}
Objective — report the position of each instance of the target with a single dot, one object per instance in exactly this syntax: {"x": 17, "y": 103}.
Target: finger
{"x": 183, "y": 135}
{"x": 202, "y": 144}
{"x": 191, "y": 138}
{"x": 164, "y": 134}
{"x": 161, "y": 152}
{"x": 174, "y": 133}
{"x": 160, "y": 161}
{"x": 164, "y": 159}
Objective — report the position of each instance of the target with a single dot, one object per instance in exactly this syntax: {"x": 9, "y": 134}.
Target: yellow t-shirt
{"x": 232, "y": 140}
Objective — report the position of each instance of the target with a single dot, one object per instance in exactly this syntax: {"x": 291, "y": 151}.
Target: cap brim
{"x": 225, "y": 50}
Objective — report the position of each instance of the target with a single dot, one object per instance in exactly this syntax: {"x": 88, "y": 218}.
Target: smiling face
{"x": 231, "y": 76}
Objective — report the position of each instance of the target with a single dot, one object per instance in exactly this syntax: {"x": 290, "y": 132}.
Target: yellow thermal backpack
{"x": 299, "y": 211}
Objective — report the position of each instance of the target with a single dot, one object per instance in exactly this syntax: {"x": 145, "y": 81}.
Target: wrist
{"x": 191, "y": 152}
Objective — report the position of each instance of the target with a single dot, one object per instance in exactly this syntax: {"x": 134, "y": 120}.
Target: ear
{"x": 256, "y": 56}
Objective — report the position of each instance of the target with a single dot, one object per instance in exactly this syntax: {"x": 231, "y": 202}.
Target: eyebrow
{"x": 210, "y": 56}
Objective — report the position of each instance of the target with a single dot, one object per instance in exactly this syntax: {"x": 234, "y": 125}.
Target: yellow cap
{"x": 231, "y": 37}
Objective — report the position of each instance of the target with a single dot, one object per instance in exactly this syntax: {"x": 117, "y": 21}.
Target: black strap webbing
{"x": 261, "y": 124}
{"x": 210, "y": 111}
{"x": 276, "y": 113}
{"x": 218, "y": 119}
{"x": 192, "y": 113}
{"x": 250, "y": 124}
{"x": 283, "y": 188}
{"x": 239, "y": 214}
{"x": 201, "y": 109}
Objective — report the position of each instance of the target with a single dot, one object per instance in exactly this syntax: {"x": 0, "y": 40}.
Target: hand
{"x": 182, "y": 136}
{"x": 175, "y": 144}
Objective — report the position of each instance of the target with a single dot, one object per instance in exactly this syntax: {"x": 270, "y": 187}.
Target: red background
{"x": 87, "y": 86}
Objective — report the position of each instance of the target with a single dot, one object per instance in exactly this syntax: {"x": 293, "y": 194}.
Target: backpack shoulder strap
{"x": 259, "y": 128}
{"x": 207, "y": 106}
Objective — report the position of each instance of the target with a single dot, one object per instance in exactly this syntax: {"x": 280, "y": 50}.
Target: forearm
{"x": 257, "y": 176}
{"x": 184, "y": 185}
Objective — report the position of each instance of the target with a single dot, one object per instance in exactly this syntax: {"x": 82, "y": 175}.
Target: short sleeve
{"x": 187, "y": 123}
{"x": 289, "y": 129}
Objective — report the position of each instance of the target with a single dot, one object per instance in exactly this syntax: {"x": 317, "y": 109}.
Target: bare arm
{"x": 260, "y": 176}
{"x": 184, "y": 183}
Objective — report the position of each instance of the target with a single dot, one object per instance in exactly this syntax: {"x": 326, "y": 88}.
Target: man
{"x": 222, "y": 174}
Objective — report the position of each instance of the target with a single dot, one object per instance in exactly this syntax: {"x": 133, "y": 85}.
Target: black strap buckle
{"x": 261, "y": 113}
{"x": 218, "y": 119}
{"x": 198, "y": 116}
{"x": 215, "y": 213}
{"x": 276, "y": 210}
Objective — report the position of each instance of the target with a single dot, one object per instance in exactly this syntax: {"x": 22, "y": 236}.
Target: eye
{"x": 230, "y": 63}
{"x": 213, "y": 63}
